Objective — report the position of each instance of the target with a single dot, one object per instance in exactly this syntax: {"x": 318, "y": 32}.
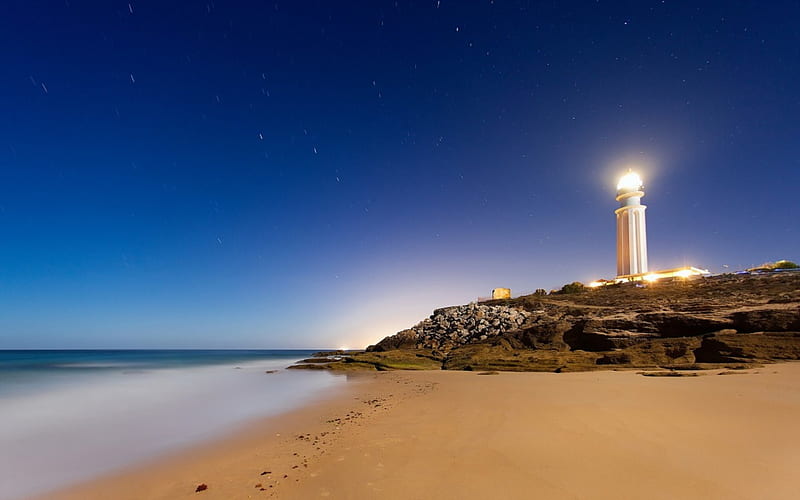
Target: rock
{"x": 674, "y": 324}
{"x": 699, "y": 323}
{"x": 329, "y": 354}
{"x": 502, "y": 357}
{"x": 749, "y": 347}
{"x": 668, "y": 373}
{"x": 608, "y": 341}
{"x": 654, "y": 352}
{"x": 201, "y": 487}
{"x": 403, "y": 340}
{"x": 614, "y": 358}
{"x": 450, "y": 327}
{"x": 768, "y": 319}
{"x": 395, "y": 359}
{"x": 324, "y": 359}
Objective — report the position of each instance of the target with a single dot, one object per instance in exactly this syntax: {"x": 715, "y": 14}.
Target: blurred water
{"x": 71, "y": 415}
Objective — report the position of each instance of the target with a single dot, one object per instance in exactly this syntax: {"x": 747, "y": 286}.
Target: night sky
{"x": 322, "y": 174}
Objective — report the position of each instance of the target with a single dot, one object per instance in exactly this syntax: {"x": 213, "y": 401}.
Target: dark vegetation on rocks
{"x": 731, "y": 321}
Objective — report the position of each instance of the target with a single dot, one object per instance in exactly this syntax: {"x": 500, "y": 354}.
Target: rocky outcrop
{"x": 454, "y": 326}
{"x": 654, "y": 352}
{"x": 406, "y": 339}
{"x": 718, "y": 320}
{"x": 678, "y": 324}
{"x": 729, "y": 346}
{"x": 505, "y": 357}
{"x": 395, "y": 359}
{"x": 767, "y": 319}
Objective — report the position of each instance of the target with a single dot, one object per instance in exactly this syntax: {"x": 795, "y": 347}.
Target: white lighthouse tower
{"x": 631, "y": 234}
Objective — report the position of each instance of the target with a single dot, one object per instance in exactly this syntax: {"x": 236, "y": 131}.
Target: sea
{"x": 70, "y": 415}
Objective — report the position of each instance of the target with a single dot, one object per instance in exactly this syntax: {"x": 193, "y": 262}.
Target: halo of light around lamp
{"x": 630, "y": 182}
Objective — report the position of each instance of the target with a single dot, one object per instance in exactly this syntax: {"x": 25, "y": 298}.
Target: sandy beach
{"x": 440, "y": 434}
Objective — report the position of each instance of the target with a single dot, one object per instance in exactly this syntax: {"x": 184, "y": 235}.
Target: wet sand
{"x": 511, "y": 435}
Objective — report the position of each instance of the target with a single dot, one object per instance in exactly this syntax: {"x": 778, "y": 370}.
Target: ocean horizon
{"x": 80, "y": 413}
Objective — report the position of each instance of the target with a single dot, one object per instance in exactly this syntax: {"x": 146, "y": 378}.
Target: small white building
{"x": 501, "y": 293}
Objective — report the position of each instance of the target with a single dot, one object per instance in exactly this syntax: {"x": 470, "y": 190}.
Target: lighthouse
{"x": 631, "y": 234}
{"x": 632, "y": 240}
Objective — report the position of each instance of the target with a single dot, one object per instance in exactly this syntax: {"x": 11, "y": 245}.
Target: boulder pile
{"x": 454, "y": 326}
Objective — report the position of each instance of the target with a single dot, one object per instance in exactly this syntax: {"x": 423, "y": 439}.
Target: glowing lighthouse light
{"x": 631, "y": 232}
{"x": 630, "y": 182}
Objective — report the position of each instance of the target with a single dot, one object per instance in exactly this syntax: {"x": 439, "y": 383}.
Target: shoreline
{"x": 233, "y": 447}
{"x": 80, "y": 426}
{"x": 610, "y": 434}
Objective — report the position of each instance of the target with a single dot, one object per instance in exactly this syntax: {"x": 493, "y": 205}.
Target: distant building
{"x": 501, "y": 293}
{"x": 779, "y": 265}
{"x": 678, "y": 272}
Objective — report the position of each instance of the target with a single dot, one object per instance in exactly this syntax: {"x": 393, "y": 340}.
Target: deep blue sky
{"x": 289, "y": 174}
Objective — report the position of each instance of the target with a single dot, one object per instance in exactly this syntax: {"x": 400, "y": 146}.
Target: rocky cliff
{"x": 705, "y": 322}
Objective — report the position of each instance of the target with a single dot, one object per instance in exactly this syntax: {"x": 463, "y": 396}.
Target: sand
{"x": 511, "y": 435}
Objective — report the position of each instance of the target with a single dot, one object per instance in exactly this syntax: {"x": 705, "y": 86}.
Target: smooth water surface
{"x": 66, "y": 416}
